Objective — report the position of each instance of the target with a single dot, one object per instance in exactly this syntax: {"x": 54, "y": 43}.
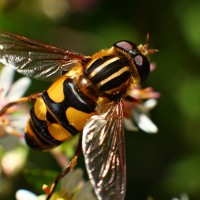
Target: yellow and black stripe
{"x": 54, "y": 118}
{"x": 108, "y": 73}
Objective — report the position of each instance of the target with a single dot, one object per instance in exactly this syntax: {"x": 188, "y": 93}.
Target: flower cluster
{"x": 13, "y": 120}
{"x": 73, "y": 187}
{"x": 183, "y": 196}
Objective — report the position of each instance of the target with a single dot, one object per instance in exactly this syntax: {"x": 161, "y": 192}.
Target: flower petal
{"x": 152, "y": 66}
{"x": 150, "y": 103}
{"x": 25, "y": 195}
{"x": 182, "y": 197}
{"x": 72, "y": 181}
{"x": 6, "y": 78}
{"x": 18, "y": 89}
{"x": 145, "y": 123}
{"x": 85, "y": 192}
{"x": 13, "y": 161}
{"x": 20, "y": 121}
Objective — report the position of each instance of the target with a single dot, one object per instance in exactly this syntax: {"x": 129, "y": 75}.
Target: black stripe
{"x": 96, "y": 64}
{"x": 115, "y": 82}
{"x": 50, "y": 118}
{"x": 73, "y": 98}
{"x": 33, "y": 143}
{"x": 107, "y": 71}
{"x": 58, "y": 110}
{"x": 41, "y": 130}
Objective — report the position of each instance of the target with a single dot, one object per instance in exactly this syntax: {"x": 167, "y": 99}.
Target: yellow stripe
{"x": 103, "y": 66}
{"x": 55, "y": 91}
{"x": 77, "y": 118}
{"x": 40, "y": 109}
{"x": 58, "y": 132}
{"x": 116, "y": 74}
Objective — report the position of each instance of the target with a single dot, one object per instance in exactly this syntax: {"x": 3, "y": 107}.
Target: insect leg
{"x": 19, "y": 101}
{"x": 50, "y": 189}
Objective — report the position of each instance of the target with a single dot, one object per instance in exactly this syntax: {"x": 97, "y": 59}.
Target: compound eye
{"x": 125, "y": 45}
{"x": 138, "y": 60}
{"x": 143, "y": 66}
{"x": 141, "y": 61}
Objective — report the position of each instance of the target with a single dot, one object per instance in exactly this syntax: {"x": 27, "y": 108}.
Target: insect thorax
{"x": 109, "y": 70}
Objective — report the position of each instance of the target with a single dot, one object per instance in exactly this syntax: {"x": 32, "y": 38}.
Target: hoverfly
{"x": 85, "y": 97}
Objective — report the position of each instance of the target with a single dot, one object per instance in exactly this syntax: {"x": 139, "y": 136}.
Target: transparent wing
{"x": 104, "y": 151}
{"x": 35, "y": 59}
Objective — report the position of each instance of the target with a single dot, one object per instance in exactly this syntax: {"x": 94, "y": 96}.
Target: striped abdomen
{"x": 59, "y": 113}
{"x": 109, "y": 73}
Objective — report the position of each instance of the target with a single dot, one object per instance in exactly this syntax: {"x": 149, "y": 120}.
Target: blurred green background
{"x": 162, "y": 165}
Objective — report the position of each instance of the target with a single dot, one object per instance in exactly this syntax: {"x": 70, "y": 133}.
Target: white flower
{"x": 140, "y": 118}
{"x": 136, "y": 110}
{"x": 76, "y": 187}
{"x": 13, "y": 161}
{"x": 15, "y": 118}
{"x": 182, "y": 197}
{"x": 12, "y": 122}
{"x": 73, "y": 187}
{"x": 25, "y": 195}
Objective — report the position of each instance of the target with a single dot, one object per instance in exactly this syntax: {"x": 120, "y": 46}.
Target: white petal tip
{"x": 147, "y": 125}
{"x": 18, "y": 88}
{"x": 25, "y": 195}
{"x": 150, "y": 104}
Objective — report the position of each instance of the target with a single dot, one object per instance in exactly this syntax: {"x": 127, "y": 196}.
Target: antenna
{"x": 144, "y": 48}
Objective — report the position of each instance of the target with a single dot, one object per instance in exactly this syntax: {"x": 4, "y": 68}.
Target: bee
{"x": 86, "y": 97}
